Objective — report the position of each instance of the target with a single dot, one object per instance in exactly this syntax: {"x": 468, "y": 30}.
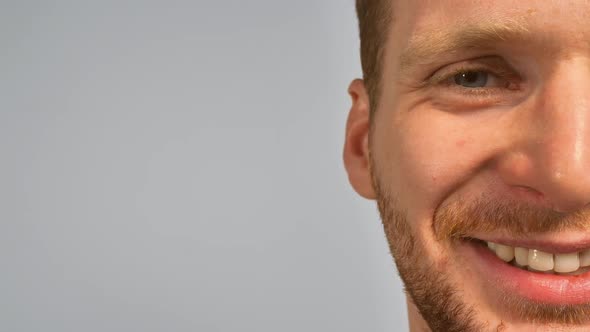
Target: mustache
{"x": 461, "y": 218}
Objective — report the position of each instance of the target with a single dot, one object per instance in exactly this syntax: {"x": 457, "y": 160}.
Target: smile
{"x": 574, "y": 263}
{"x": 543, "y": 273}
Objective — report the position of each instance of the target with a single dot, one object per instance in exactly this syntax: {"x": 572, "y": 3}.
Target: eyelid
{"x": 491, "y": 65}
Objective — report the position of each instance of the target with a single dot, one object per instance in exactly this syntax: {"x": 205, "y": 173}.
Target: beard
{"x": 433, "y": 294}
{"x": 441, "y": 301}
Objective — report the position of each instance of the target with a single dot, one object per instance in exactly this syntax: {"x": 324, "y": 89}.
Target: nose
{"x": 553, "y": 154}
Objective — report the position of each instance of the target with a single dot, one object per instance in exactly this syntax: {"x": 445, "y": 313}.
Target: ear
{"x": 356, "y": 145}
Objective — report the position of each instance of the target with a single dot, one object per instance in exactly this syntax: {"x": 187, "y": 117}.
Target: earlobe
{"x": 356, "y": 145}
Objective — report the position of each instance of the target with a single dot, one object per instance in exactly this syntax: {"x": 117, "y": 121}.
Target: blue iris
{"x": 472, "y": 79}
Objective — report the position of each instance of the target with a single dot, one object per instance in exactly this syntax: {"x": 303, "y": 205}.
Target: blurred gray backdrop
{"x": 176, "y": 166}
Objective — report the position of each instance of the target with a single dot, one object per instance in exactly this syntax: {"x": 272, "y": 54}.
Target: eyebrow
{"x": 427, "y": 46}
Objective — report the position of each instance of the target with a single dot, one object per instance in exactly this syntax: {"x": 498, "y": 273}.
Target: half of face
{"x": 479, "y": 157}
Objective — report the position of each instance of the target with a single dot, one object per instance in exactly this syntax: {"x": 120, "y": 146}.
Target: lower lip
{"x": 538, "y": 287}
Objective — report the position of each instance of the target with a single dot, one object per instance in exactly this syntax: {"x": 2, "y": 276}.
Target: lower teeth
{"x": 579, "y": 271}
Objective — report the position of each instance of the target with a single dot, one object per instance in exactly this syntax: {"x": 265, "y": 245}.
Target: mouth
{"x": 543, "y": 274}
{"x": 537, "y": 260}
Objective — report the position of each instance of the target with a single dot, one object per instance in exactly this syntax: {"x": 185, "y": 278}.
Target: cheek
{"x": 423, "y": 159}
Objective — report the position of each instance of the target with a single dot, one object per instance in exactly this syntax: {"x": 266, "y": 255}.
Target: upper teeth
{"x": 542, "y": 261}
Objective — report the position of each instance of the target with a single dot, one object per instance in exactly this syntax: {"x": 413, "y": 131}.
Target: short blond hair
{"x": 375, "y": 18}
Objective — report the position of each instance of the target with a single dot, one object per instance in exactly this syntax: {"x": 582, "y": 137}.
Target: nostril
{"x": 529, "y": 191}
{"x": 526, "y": 193}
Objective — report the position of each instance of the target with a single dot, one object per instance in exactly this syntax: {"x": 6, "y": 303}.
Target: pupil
{"x": 471, "y": 79}
{"x": 470, "y": 76}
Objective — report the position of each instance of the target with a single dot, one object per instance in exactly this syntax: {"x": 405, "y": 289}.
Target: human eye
{"x": 476, "y": 78}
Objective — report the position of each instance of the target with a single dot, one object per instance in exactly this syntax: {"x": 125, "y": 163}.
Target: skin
{"x": 525, "y": 136}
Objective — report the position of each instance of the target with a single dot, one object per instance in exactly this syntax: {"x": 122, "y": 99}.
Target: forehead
{"x": 425, "y": 29}
{"x": 563, "y": 20}
{"x": 444, "y": 11}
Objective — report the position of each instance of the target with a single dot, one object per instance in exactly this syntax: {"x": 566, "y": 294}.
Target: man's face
{"x": 482, "y": 135}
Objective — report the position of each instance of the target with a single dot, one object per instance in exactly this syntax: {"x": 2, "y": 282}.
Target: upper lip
{"x": 554, "y": 246}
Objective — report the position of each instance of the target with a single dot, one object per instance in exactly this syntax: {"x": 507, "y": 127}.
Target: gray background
{"x": 176, "y": 166}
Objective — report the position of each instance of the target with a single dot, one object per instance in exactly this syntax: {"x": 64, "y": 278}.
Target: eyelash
{"x": 445, "y": 79}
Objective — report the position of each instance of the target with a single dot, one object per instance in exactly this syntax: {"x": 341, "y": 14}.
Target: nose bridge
{"x": 561, "y": 149}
